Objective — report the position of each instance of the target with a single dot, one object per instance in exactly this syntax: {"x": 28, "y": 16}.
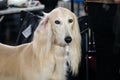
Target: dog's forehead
{"x": 61, "y": 13}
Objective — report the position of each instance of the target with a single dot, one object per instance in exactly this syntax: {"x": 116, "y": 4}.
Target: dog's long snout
{"x": 68, "y": 39}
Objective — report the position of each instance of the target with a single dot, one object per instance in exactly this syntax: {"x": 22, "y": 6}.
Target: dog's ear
{"x": 44, "y": 22}
{"x": 44, "y": 27}
{"x": 75, "y": 47}
{"x": 43, "y": 35}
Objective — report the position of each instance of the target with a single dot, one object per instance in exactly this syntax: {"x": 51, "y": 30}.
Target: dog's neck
{"x": 63, "y": 52}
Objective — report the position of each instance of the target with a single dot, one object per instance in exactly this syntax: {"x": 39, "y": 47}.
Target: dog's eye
{"x": 57, "y": 22}
{"x": 70, "y": 20}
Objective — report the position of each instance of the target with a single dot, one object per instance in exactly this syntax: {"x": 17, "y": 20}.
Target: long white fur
{"x": 44, "y": 57}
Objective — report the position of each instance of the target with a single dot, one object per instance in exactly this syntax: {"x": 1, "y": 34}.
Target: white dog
{"x": 45, "y": 57}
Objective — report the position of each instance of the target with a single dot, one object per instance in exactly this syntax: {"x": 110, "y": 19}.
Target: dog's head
{"x": 60, "y": 27}
{"x": 66, "y": 31}
{"x": 64, "y": 24}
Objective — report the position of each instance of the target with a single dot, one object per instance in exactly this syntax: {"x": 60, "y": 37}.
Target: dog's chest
{"x": 43, "y": 71}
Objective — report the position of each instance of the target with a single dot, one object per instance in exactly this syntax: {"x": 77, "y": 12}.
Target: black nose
{"x": 68, "y": 39}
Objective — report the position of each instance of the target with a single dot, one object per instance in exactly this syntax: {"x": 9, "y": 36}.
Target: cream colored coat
{"x": 45, "y": 57}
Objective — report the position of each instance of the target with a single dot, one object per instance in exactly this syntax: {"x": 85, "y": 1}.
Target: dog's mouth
{"x": 65, "y": 42}
{"x": 63, "y": 45}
